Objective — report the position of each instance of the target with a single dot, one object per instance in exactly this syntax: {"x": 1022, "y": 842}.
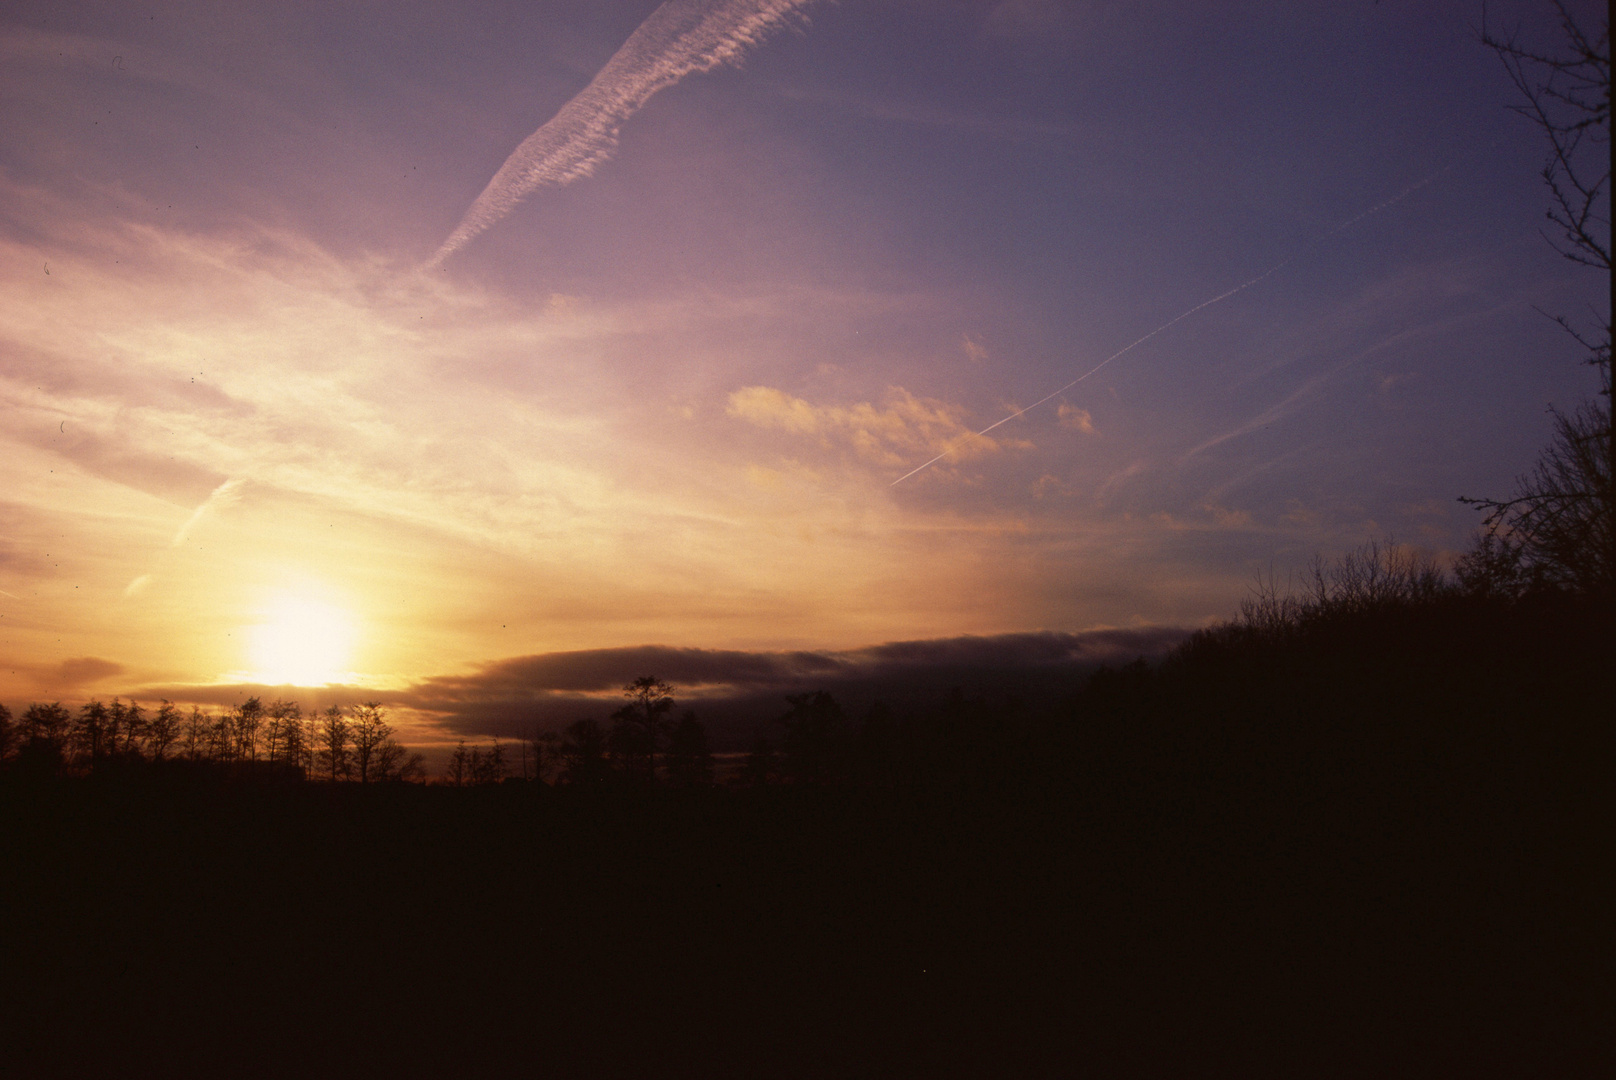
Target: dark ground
{"x": 1384, "y": 852}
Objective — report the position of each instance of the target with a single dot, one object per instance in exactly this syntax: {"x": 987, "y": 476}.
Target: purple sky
{"x": 256, "y": 430}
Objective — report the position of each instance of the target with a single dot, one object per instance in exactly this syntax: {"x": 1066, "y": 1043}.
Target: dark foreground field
{"x": 1384, "y": 852}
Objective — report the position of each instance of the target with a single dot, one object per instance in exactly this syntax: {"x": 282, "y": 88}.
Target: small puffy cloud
{"x": 1049, "y": 484}
{"x": 1300, "y": 514}
{"x": 86, "y": 669}
{"x": 1225, "y": 518}
{"x": 768, "y": 407}
{"x": 1123, "y": 478}
{"x": 1221, "y": 517}
{"x": 893, "y": 435}
{"x": 974, "y": 349}
{"x": 764, "y": 479}
{"x": 1075, "y": 419}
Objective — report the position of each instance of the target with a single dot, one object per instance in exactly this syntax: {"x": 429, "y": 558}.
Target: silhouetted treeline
{"x": 252, "y": 738}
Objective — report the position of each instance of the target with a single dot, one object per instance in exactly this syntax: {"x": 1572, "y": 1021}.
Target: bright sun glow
{"x": 301, "y": 642}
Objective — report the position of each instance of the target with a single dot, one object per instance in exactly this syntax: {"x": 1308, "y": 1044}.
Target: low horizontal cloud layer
{"x": 736, "y": 691}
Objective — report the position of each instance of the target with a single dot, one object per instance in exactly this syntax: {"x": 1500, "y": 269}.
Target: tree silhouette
{"x": 762, "y": 765}
{"x": 1371, "y": 579}
{"x": 394, "y": 762}
{"x": 221, "y": 737}
{"x": 878, "y": 746}
{"x": 458, "y": 772}
{"x": 43, "y": 734}
{"x": 313, "y": 725}
{"x": 632, "y": 751}
{"x": 249, "y": 720}
{"x": 689, "y": 759}
{"x": 488, "y": 767}
{"x": 283, "y": 731}
{"x": 335, "y": 756}
{"x": 134, "y": 725}
{"x": 546, "y": 754}
{"x": 535, "y": 754}
{"x": 1567, "y": 97}
{"x": 117, "y": 718}
{"x": 195, "y": 735}
{"x": 8, "y": 735}
{"x": 164, "y": 730}
{"x": 89, "y": 733}
{"x": 543, "y": 749}
{"x": 817, "y": 746}
{"x": 295, "y": 734}
{"x": 407, "y": 767}
{"x": 641, "y": 726}
{"x": 117, "y": 727}
{"x": 1559, "y": 529}
{"x": 583, "y": 753}
{"x": 369, "y": 732}
{"x": 47, "y": 724}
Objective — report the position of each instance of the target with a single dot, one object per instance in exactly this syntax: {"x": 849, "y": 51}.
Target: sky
{"x": 473, "y": 358}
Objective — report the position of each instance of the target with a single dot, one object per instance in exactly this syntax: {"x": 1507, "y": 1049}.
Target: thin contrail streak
{"x": 1377, "y": 208}
{"x": 223, "y": 495}
{"x": 1021, "y": 412}
{"x": 680, "y": 37}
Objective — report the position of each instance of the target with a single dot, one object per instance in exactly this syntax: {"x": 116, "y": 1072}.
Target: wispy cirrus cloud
{"x": 680, "y": 37}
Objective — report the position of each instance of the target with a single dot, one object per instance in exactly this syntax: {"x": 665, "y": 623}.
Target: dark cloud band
{"x": 735, "y": 690}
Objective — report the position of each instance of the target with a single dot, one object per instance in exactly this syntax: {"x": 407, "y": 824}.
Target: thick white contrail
{"x": 1377, "y": 208}
{"x": 680, "y": 37}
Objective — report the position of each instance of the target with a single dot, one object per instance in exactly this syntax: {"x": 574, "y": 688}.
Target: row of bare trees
{"x": 475, "y": 767}
{"x": 644, "y": 745}
{"x": 674, "y": 752}
{"x": 335, "y": 744}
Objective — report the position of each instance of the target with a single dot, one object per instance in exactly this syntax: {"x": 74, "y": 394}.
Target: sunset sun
{"x": 301, "y": 642}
